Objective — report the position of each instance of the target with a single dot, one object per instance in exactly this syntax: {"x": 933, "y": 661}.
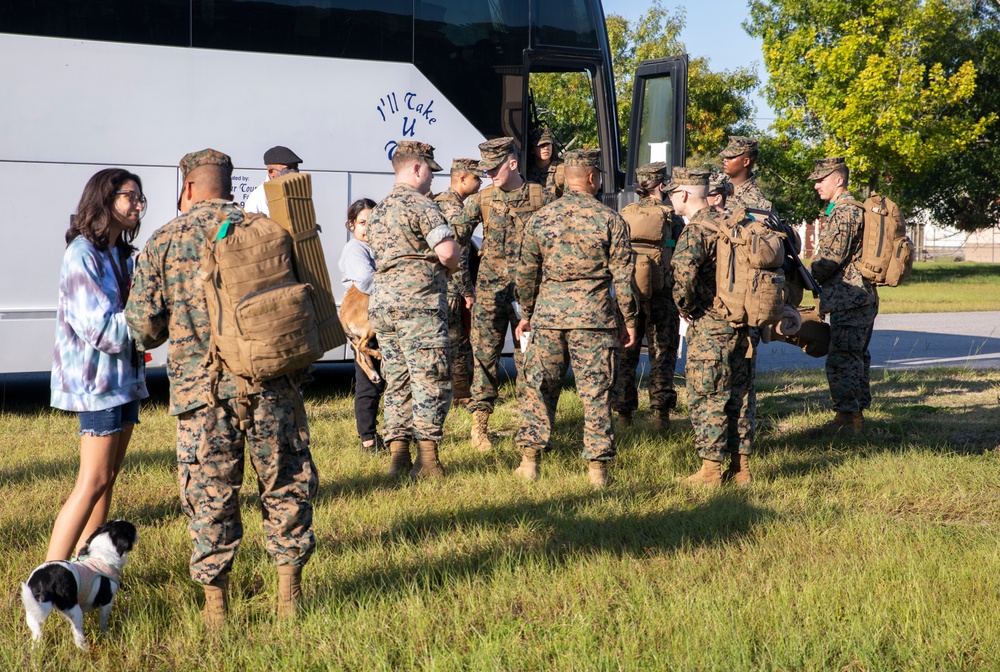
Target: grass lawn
{"x": 870, "y": 554}
{"x": 943, "y": 287}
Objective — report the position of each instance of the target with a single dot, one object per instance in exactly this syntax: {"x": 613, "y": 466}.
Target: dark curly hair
{"x": 97, "y": 212}
{"x": 356, "y": 208}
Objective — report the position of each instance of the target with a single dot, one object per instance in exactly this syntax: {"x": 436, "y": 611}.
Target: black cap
{"x": 280, "y": 155}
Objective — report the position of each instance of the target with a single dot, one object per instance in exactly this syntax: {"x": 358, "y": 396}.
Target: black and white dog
{"x": 80, "y": 585}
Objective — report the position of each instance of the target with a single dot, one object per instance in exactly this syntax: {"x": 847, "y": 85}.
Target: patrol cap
{"x": 738, "y": 145}
{"x": 585, "y": 158}
{"x": 281, "y": 155}
{"x": 421, "y": 150}
{"x": 692, "y": 177}
{"x": 205, "y": 157}
{"x": 494, "y": 152}
{"x": 719, "y": 184}
{"x": 541, "y": 136}
{"x": 826, "y": 166}
{"x": 651, "y": 171}
{"x": 469, "y": 165}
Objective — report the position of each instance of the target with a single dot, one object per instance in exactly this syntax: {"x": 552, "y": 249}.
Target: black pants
{"x": 366, "y": 398}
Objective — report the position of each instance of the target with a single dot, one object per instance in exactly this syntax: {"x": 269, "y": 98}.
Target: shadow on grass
{"x": 571, "y": 530}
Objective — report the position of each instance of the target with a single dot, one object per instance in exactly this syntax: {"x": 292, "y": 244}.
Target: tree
{"x": 859, "y": 78}
{"x": 718, "y": 102}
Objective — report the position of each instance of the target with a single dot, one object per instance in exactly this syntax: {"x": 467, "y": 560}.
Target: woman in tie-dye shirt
{"x": 96, "y": 370}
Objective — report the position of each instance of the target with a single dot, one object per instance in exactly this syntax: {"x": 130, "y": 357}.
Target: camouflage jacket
{"x": 167, "y": 301}
{"x": 842, "y": 286}
{"x": 502, "y": 229}
{"x": 552, "y": 178}
{"x": 574, "y": 250}
{"x": 749, "y": 195}
{"x": 403, "y": 231}
{"x": 694, "y": 267}
{"x": 460, "y": 282}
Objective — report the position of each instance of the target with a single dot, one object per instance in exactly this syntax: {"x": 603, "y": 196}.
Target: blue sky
{"x": 712, "y": 30}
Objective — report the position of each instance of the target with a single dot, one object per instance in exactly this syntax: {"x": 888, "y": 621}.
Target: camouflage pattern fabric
{"x": 848, "y": 364}
{"x": 719, "y": 375}
{"x": 593, "y": 354}
{"x": 551, "y": 178}
{"x": 574, "y": 250}
{"x": 408, "y": 312}
{"x": 168, "y": 301}
{"x": 459, "y": 286}
{"x": 749, "y": 195}
{"x": 493, "y": 311}
{"x": 210, "y": 454}
{"x": 842, "y": 287}
{"x": 659, "y": 321}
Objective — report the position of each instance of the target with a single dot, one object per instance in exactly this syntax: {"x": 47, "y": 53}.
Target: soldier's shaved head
{"x": 211, "y": 181}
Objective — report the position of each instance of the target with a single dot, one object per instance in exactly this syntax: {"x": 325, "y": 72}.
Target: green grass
{"x": 872, "y": 554}
{"x": 943, "y": 287}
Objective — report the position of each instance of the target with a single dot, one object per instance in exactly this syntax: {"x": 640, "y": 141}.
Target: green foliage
{"x": 862, "y": 79}
{"x": 718, "y": 102}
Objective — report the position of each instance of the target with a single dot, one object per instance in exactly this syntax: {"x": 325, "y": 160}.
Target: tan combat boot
{"x": 842, "y": 424}
{"x": 480, "y": 439}
{"x": 529, "y": 468}
{"x": 710, "y": 475}
{"x": 399, "y": 458}
{"x": 216, "y": 602}
{"x": 858, "y": 422}
{"x": 427, "y": 464}
{"x": 289, "y": 590}
{"x": 625, "y": 418}
{"x": 738, "y": 471}
{"x": 661, "y": 419}
{"x": 597, "y": 470}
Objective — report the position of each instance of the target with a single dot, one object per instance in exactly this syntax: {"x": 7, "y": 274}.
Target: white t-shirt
{"x": 257, "y": 201}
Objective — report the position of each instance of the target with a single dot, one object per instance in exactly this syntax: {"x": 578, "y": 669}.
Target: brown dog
{"x": 354, "y": 318}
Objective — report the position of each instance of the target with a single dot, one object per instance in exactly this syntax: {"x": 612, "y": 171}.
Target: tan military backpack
{"x": 886, "y": 251}
{"x": 263, "y": 321}
{"x": 649, "y": 231}
{"x": 749, "y": 280}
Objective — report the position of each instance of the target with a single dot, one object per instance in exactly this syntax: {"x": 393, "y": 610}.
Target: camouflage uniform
{"x": 459, "y": 287}
{"x": 167, "y": 301}
{"x": 723, "y": 414}
{"x": 749, "y": 195}
{"x": 552, "y": 177}
{"x": 657, "y": 318}
{"x": 574, "y": 249}
{"x": 409, "y": 313}
{"x": 503, "y": 215}
{"x": 849, "y": 299}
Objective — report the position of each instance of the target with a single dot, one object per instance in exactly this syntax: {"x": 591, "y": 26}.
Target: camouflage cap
{"x": 719, "y": 184}
{"x": 204, "y": 158}
{"x": 826, "y": 166}
{"x": 470, "y": 165}
{"x": 541, "y": 136}
{"x": 421, "y": 150}
{"x": 651, "y": 171}
{"x": 738, "y": 145}
{"x": 586, "y": 158}
{"x": 494, "y": 152}
{"x": 691, "y": 177}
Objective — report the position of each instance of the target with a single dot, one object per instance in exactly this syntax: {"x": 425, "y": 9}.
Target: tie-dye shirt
{"x": 94, "y": 365}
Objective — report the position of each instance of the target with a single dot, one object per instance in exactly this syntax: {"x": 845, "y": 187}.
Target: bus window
{"x": 160, "y": 22}
{"x": 564, "y": 101}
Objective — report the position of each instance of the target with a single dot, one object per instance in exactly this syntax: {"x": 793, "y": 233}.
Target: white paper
{"x": 657, "y": 151}
{"x": 525, "y": 339}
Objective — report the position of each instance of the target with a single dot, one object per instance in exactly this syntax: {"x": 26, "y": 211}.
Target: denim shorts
{"x": 110, "y": 420}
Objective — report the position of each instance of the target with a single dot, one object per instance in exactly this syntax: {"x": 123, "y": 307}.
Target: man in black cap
{"x": 279, "y": 161}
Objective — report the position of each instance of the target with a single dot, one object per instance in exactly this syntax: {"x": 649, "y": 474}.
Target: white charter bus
{"x": 88, "y": 85}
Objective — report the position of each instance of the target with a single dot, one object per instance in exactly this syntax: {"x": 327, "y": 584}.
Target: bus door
{"x": 659, "y": 118}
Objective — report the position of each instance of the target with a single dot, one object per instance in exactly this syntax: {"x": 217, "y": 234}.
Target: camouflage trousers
{"x": 848, "y": 364}
{"x": 594, "y": 356}
{"x": 416, "y": 366}
{"x": 719, "y": 378}
{"x": 461, "y": 348}
{"x": 660, "y": 322}
{"x": 210, "y": 456}
{"x": 492, "y": 314}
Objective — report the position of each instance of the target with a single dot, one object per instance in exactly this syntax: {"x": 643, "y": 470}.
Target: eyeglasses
{"x": 134, "y": 196}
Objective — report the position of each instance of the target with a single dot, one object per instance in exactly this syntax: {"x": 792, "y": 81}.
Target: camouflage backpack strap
{"x": 486, "y": 199}
{"x": 448, "y": 196}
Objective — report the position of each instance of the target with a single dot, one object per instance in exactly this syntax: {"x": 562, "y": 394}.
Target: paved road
{"x": 912, "y": 341}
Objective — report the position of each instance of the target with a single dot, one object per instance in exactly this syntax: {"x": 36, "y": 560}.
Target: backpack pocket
{"x": 647, "y": 279}
{"x": 277, "y": 332}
